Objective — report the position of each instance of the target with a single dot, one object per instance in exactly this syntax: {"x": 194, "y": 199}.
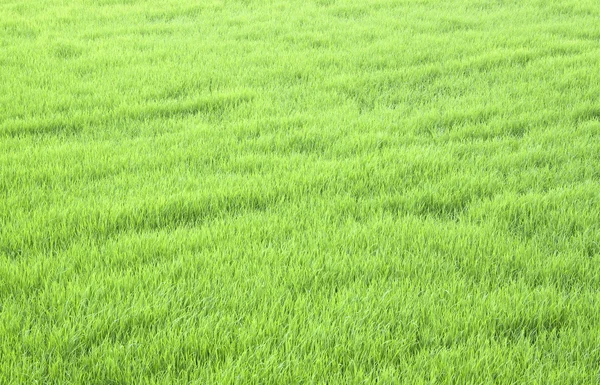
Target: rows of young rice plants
{"x": 299, "y": 192}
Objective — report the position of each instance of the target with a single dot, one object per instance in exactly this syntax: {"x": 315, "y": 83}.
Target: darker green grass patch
{"x": 176, "y": 14}
{"x": 59, "y": 126}
{"x": 64, "y": 229}
{"x": 517, "y": 327}
{"x": 214, "y": 107}
{"x": 435, "y": 204}
{"x": 354, "y": 12}
{"x": 66, "y": 51}
{"x": 586, "y": 113}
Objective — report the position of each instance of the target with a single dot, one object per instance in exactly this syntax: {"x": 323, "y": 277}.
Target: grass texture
{"x": 300, "y": 192}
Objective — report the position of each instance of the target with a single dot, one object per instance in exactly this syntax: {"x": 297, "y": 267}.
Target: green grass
{"x": 300, "y": 192}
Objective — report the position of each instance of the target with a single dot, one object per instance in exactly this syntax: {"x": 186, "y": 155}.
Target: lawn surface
{"x": 300, "y": 192}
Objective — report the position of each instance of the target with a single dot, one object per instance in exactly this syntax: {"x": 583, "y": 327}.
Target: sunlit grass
{"x": 277, "y": 192}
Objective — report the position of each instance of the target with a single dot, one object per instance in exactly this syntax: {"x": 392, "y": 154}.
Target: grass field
{"x": 300, "y": 192}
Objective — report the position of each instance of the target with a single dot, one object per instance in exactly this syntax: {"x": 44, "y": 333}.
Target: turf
{"x": 300, "y": 192}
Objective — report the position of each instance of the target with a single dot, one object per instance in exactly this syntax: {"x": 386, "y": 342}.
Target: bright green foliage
{"x": 300, "y": 192}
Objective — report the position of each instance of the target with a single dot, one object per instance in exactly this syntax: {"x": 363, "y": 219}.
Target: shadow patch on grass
{"x": 62, "y": 229}
{"x": 448, "y": 208}
{"x": 13, "y": 29}
{"x": 592, "y": 249}
{"x": 50, "y": 126}
{"x": 66, "y": 51}
{"x": 170, "y": 15}
{"x": 213, "y": 108}
{"x": 350, "y": 12}
{"x": 530, "y": 327}
{"x": 586, "y": 114}
{"x": 449, "y": 25}
{"x": 302, "y": 144}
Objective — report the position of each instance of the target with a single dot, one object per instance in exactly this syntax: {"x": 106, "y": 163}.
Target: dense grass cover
{"x": 299, "y": 192}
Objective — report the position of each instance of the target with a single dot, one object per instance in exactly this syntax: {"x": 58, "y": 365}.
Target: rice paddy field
{"x": 300, "y": 192}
